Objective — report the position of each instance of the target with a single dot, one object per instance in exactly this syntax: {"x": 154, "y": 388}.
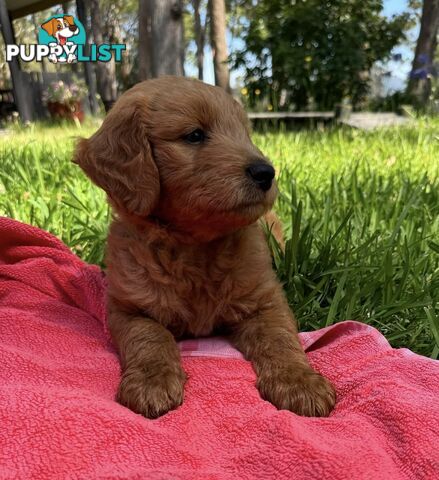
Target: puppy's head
{"x": 180, "y": 151}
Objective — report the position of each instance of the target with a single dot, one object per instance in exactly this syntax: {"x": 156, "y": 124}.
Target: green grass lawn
{"x": 361, "y": 215}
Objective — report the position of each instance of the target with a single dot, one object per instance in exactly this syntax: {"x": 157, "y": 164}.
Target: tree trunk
{"x": 200, "y": 35}
{"x": 36, "y": 31}
{"x": 90, "y": 79}
{"x": 217, "y": 10}
{"x": 145, "y": 26}
{"x": 419, "y": 82}
{"x": 161, "y": 46}
{"x": 65, "y": 11}
{"x": 105, "y": 72}
{"x": 22, "y": 96}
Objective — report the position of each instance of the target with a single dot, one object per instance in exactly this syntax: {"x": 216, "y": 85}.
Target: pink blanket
{"x": 59, "y": 374}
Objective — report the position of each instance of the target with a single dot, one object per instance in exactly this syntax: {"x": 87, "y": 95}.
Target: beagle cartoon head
{"x": 61, "y": 28}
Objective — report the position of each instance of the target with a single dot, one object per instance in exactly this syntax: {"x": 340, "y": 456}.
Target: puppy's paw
{"x": 300, "y": 390}
{"x": 151, "y": 396}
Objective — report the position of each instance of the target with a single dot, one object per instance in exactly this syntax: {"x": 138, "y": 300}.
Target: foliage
{"x": 309, "y": 53}
{"x": 65, "y": 93}
{"x": 361, "y": 216}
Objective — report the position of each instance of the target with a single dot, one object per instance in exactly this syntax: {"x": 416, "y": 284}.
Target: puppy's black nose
{"x": 262, "y": 174}
{"x": 73, "y": 28}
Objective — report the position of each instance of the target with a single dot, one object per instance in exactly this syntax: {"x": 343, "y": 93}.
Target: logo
{"x": 62, "y": 39}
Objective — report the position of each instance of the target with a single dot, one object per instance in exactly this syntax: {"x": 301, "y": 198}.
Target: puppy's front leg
{"x": 284, "y": 377}
{"x": 152, "y": 377}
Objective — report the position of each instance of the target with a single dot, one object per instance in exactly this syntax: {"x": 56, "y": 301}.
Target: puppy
{"x": 61, "y": 29}
{"x": 186, "y": 255}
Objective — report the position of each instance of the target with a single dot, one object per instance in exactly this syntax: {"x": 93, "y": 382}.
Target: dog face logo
{"x": 62, "y": 33}
{"x": 61, "y": 28}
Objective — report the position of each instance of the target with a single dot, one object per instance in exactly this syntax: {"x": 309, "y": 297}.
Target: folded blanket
{"x": 59, "y": 375}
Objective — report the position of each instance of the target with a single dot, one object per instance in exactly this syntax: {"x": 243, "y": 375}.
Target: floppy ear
{"x": 118, "y": 158}
{"x": 49, "y": 26}
{"x": 69, "y": 19}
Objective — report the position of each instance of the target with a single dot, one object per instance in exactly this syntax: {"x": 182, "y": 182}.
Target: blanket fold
{"x": 59, "y": 374}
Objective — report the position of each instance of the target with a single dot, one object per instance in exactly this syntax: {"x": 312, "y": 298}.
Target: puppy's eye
{"x": 195, "y": 137}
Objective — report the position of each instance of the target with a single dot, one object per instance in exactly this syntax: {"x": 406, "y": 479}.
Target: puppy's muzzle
{"x": 262, "y": 175}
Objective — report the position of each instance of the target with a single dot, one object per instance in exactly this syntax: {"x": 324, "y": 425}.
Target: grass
{"x": 361, "y": 215}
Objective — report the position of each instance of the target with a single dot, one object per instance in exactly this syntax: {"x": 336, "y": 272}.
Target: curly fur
{"x": 186, "y": 255}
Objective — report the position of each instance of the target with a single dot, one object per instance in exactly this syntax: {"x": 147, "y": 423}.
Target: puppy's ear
{"x": 118, "y": 159}
{"x": 69, "y": 19}
{"x": 49, "y": 26}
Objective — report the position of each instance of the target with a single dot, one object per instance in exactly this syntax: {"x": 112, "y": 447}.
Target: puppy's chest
{"x": 192, "y": 292}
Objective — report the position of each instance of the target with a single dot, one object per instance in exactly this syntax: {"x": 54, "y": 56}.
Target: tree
{"x": 161, "y": 38}
{"x": 217, "y": 11}
{"x": 120, "y": 22}
{"x": 90, "y": 79}
{"x": 314, "y": 54}
{"x": 200, "y": 36}
{"x": 105, "y": 72}
{"x": 422, "y": 68}
{"x": 145, "y": 50}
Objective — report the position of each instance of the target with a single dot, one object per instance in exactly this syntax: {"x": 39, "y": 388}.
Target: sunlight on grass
{"x": 361, "y": 215}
